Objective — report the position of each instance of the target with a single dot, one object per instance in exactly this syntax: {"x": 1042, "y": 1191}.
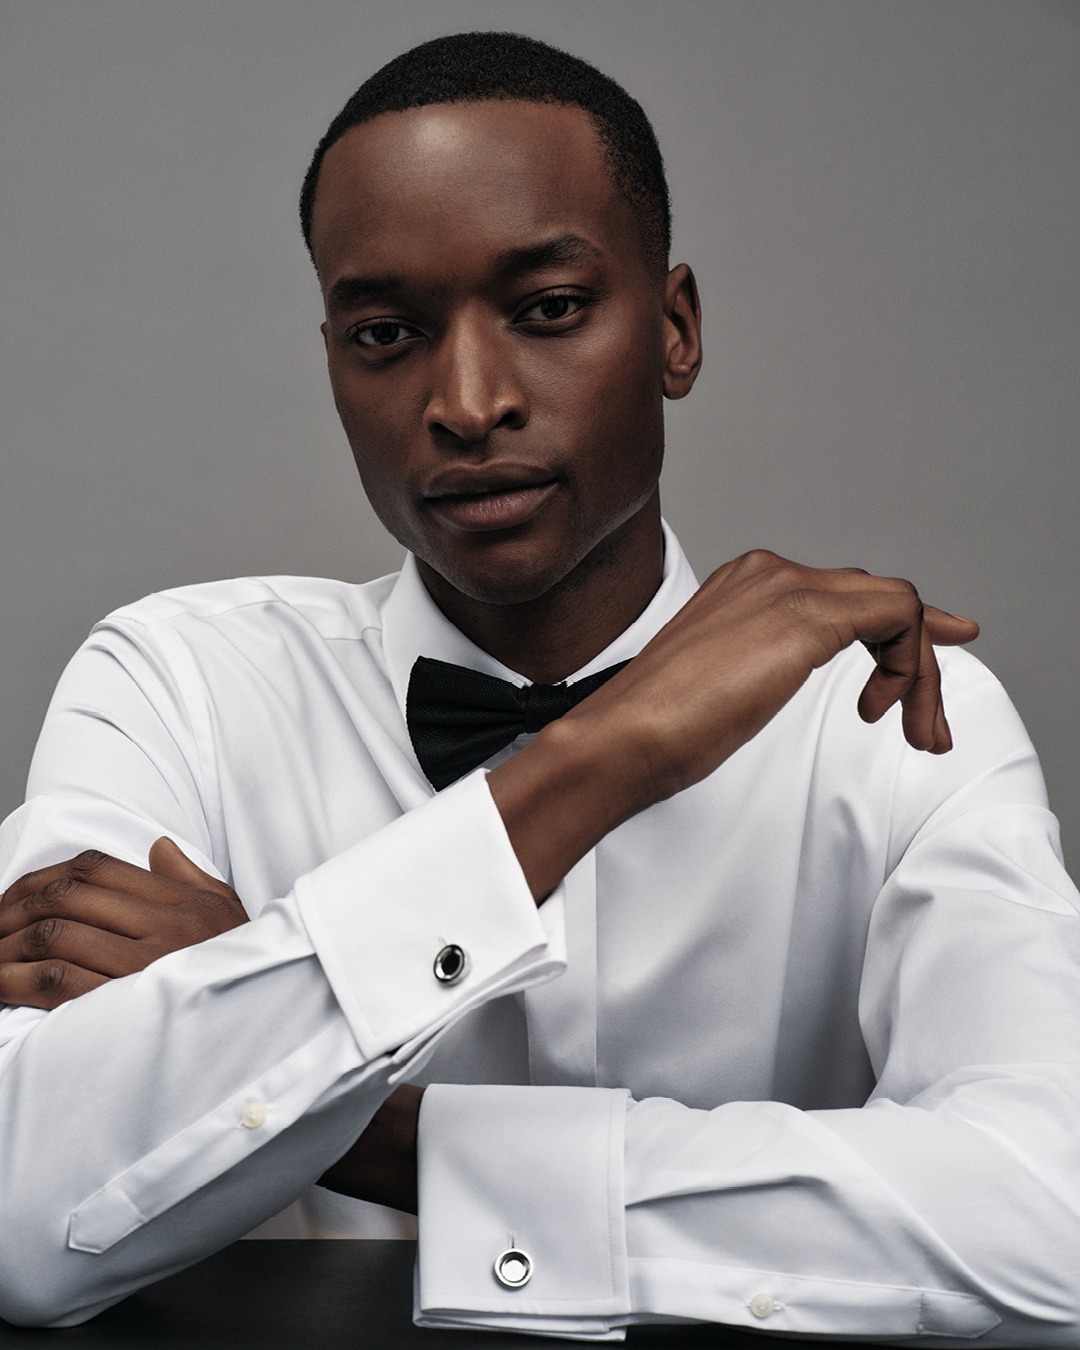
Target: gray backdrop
{"x": 880, "y": 198}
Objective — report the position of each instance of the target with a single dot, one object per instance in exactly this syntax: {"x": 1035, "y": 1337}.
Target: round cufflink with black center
{"x": 451, "y": 964}
{"x": 513, "y": 1268}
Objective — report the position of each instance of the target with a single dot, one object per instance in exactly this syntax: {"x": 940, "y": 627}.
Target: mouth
{"x": 495, "y": 497}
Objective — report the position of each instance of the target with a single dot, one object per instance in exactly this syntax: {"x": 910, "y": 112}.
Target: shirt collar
{"x": 413, "y": 625}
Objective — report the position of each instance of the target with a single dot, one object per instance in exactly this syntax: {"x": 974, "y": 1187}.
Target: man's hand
{"x": 66, "y": 929}
{"x": 708, "y": 682}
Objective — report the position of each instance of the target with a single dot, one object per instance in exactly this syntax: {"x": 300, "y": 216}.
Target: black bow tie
{"x": 459, "y": 717}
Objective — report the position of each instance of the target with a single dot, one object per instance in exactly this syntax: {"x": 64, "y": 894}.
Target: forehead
{"x": 475, "y": 176}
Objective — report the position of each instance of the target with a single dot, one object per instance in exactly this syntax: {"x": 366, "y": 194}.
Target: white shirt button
{"x": 513, "y": 1268}
{"x": 253, "y": 1115}
{"x": 762, "y": 1305}
{"x": 451, "y": 964}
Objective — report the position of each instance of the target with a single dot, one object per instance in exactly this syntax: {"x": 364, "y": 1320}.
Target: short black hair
{"x": 474, "y": 67}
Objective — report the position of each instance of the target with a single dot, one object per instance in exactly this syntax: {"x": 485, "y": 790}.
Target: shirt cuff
{"x": 533, "y": 1170}
{"x": 443, "y": 876}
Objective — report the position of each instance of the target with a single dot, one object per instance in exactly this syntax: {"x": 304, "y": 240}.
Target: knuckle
{"x": 52, "y": 978}
{"x": 189, "y": 926}
{"x": 915, "y": 605}
{"x": 213, "y": 914}
{"x": 228, "y": 912}
{"x": 758, "y": 559}
{"x": 25, "y": 885}
{"x": 53, "y": 894}
{"x": 906, "y": 587}
{"x": 41, "y": 937}
{"x": 221, "y": 907}
{"x": 88, "y": 863}
{"x": 205, "y": 917}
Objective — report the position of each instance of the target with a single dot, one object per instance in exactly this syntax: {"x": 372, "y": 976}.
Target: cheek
{"x": 626, "y": 415}
{"x": 612, "y": 377}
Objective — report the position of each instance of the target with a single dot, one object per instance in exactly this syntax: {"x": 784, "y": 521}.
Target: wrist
{"x": 578, "y": 780}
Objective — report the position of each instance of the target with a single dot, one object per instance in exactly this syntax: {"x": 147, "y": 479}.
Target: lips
{"x": 489, "y": 497}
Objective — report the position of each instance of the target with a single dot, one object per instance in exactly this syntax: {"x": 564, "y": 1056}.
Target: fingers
{"x": 907, "y": 667}
{"x": 930, "y": 673}
{"x": 923, "y": 718}
{"x": 104, "y": 873}
{"x": 949, "y": 630}
{"x": 68, "y": 928}
{"x": 70, "y": 900}
{"x": 128, "y": 916}
{"x": 94, "y": 950}
{"x": 907, "y": 670}
{"x": 45, "y": 984}
{"x": 817, "y": 612}
{"x": 94, "y": 869}
{"x": 887, "y": 617}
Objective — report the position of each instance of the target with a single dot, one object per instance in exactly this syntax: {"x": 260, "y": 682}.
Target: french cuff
{"x": 426, "y": 919}
{"x": 521, "y": 1212}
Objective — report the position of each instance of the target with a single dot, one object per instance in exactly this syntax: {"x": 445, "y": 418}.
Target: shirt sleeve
{"x": 947, "y": 1206}
{"x": 162, "y": 1115}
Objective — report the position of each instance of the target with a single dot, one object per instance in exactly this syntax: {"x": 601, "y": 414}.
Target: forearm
{"x": 129, "y": 1102}
{"x": 957, "y": 1181}
{"x": 121, "y": 1116}
{"x": 861, "y": 1223}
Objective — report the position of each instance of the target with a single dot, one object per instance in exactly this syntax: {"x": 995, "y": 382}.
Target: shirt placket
{"x": 561, "y": 1015}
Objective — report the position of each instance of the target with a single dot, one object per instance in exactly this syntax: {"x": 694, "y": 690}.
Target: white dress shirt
{"x": 798, "y": 1049}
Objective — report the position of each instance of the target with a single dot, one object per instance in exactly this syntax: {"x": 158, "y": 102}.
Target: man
{"x": 733, "y": 1006}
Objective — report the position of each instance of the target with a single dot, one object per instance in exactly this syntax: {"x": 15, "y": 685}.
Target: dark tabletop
{"x": 317, "y": 1295}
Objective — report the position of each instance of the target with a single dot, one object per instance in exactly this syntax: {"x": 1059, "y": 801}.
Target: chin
{"x": 522, "y": 566}
{"x": 502, "y": 574}
{"x": 503, "y": 586}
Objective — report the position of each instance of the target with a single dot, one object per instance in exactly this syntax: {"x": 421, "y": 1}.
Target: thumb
{"x": 168, "y": 861}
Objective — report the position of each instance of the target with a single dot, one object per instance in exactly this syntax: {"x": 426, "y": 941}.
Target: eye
{"x": 552, "y": 308}
{"x": 381, "y": 333}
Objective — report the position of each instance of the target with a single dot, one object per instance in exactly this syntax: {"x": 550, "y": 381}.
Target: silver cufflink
{"x": 450, "y": 964}
{"x": 513, "y": 1268}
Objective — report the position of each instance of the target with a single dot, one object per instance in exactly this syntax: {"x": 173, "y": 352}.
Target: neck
{"x": 548, "y": 638}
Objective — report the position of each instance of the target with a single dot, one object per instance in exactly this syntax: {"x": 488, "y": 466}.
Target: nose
{"x": 476, "y": 385}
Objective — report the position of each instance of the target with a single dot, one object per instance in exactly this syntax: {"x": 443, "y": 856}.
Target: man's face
{"x": 495, "y": 338}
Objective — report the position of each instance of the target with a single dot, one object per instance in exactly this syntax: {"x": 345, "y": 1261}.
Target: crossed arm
{"x": 705, "y": 685}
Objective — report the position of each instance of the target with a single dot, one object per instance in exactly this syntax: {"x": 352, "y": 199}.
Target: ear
{"x": 682, "y": 332}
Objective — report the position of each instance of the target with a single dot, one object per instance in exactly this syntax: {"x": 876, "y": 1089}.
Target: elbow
{"x": 43, "y": 1283}
{"x": 40, "y": 1297}
{"x": 26, "y": 1302}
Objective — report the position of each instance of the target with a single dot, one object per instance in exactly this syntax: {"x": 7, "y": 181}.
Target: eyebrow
{"x": 347, "y": 292}
{"x": 567, "y": 248}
